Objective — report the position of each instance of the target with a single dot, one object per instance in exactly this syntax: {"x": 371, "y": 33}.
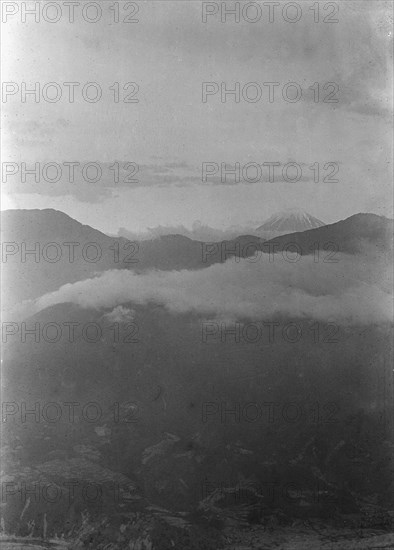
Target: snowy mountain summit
{"x": 291, "y": 220}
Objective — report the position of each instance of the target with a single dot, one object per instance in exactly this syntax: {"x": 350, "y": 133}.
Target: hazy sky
{"x": 170, "y": 132}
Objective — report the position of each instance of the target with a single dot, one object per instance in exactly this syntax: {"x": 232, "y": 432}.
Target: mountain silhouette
{"x": 350, "y": 236}
{"x": 67, "y": 251}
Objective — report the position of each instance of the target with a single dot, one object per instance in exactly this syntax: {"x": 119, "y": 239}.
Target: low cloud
{"x": 353, "y": 291}
{"x": 120, "y": 314}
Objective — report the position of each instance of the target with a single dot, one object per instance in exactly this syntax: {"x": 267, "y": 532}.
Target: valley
{"x": 222, "y": 439}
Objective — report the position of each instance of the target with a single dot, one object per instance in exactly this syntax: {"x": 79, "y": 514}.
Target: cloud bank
{"x": 353, "y": 291}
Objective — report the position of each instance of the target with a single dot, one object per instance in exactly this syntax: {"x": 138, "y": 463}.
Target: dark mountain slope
{"x": 350, "y": 236}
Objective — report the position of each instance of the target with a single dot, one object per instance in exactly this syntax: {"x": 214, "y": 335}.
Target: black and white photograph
{"x": 197, "y": 225}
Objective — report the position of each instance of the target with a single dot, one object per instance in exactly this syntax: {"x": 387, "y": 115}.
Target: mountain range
{"x": 72, "y": 255}
{"x": 67, "y": 250}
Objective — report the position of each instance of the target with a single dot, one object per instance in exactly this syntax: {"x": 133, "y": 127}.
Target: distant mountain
{"x": 291, "y": 220}
{"x": 350, "y": 236}
{"x": 56, "y": 235}
{"x": 198, "y": 232}
{"x": 68, "y": 251}
{"x": 65, "y": 252}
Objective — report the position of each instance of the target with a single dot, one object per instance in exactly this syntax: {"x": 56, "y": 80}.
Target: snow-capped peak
{"x": 292, "y": 219}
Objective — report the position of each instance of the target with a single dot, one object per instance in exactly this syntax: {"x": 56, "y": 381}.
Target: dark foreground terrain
{"x": 167, "y": 432}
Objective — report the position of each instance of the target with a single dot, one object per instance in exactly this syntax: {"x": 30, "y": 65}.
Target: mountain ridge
{"x": 32, "y": 276}
{"x": 349, "y": 235}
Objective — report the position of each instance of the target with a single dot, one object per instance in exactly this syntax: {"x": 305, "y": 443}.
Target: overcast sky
{"x": 170, "y": 132}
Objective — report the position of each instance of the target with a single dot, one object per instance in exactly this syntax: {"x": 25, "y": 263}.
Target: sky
{"x": 171, "y": 132}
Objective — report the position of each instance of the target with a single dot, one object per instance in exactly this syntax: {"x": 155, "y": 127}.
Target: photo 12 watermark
{"x": 70, "y": 412}
{"x": 65, "y": 11}
{"x": 70, "y": 172}
{"x": 259, "y": 250}
{"x": 69, "y": 252}
{"x": 269, "y": 412}
{"x": 269, "y": 12}
{"x": 269, "y": 92}
{"x": 70, "y": 332}
{"x": 268, "y": 332}
{"x": 269, "y": 172}
{"x": 67, "y": 491}
{"x": 69, "y": 92}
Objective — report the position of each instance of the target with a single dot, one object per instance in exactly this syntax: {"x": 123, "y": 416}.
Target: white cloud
{"x": 120, "y": 314}
{"x": 348, "y": 292}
